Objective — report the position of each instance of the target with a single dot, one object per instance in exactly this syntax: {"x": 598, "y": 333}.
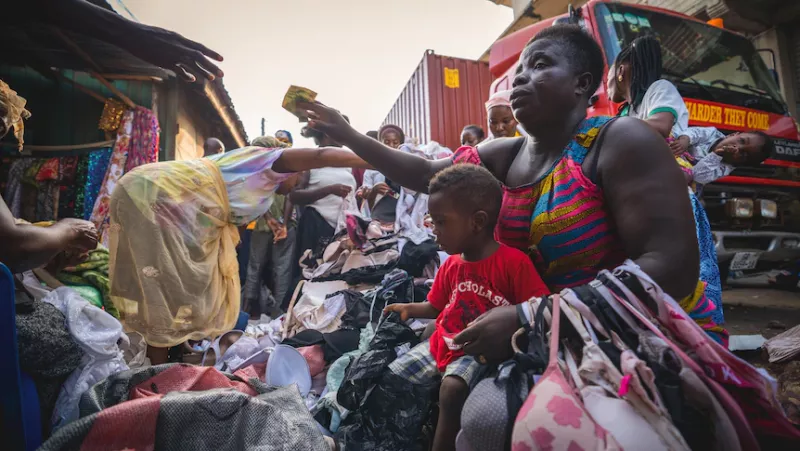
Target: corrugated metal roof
{"x": 35, "y": 43}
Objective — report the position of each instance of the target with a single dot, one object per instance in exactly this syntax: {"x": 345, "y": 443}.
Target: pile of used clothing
{"x": 325, "y": 357}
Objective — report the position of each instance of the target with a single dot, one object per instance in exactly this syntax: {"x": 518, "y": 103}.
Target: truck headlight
{"x": 767, "y": 208}
{"x": 791, "y": 243}
{"x": 739, "y": 208}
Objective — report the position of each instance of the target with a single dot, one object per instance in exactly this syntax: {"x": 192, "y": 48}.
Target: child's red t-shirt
{"x": 463, "y": 290}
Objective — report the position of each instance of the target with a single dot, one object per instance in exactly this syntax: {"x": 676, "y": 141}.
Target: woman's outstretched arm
{"x": 408, "y": 170}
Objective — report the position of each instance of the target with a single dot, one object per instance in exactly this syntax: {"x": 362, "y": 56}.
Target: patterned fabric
{"x": 418, "y": 366}
{"x": 709, "y": 268}
{"x": 48, "y": 171}
{"x": 95, "y": 174}
{"x": 81, "y": 173}
{"x": 144, "y": 139}
{"x": 13, "y": 194}
{"x": 115, "y": 170}
{"x": 112, "y": 115}
{"x": 173, "y": 267}
{"x": 560, "y": 219}
{"x": 47, "y": 201}
{"x": 249, "y": 180}
{"x": 67, "y": 171}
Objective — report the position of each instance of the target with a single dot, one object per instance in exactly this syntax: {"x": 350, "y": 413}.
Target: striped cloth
{"x": 560, "y": 220}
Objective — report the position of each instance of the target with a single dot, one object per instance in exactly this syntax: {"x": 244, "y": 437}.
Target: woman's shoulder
{"x": 489, "y": 153}
{"x": 662, "y": 86}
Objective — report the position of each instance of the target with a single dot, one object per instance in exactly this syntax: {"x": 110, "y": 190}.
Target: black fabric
{"x": 365, "y": 370}
{"x": 387, "y": 411}
{"x": 356, "y": 313}
{"x": 369, "y": 275}
{"x": 606, "y": 314}
{"x": 391, "y": 419}
{"x": 334, "y": 344}
{"x": 385, "y": 210}
{"x": 415, "y": 257}
{"x": 313, "y": 232}
{"x": 47, "y": 351}
{"x": 308, "y": 337}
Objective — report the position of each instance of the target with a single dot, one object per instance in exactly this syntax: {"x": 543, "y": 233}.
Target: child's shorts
{"x": 419, "y": 367}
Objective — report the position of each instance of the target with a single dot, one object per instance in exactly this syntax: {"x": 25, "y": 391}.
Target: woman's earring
{"x": 619, "y": 78}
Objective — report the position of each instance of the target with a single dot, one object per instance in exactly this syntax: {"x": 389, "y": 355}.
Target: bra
{"x": 552, "y": 417}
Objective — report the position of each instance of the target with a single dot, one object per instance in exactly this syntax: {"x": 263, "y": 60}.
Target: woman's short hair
{"x": 581, "y": 48}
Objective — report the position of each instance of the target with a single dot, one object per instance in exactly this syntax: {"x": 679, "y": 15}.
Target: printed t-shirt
{"x": 462, "y": 291}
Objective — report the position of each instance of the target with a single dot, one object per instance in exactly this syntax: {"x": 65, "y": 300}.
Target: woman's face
{"x": 391, "y": 139}
{"x": 469, "y": 138}
{"x": 546, "y": 88}
{"x": 502, "y": 123}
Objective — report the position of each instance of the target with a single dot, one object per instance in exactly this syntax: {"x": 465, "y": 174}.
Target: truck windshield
{"x": 704, "y": 62}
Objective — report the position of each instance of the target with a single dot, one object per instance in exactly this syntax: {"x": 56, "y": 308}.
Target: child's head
{"x": 464, "y": 205}
{"x": 472, "y": 135}
{"x": 746, "y": 149}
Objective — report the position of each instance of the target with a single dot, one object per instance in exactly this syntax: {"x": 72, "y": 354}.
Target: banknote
{"x": 297, "y": 94}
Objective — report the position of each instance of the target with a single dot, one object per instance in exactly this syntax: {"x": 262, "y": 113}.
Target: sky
{"x": 356, "y": 54}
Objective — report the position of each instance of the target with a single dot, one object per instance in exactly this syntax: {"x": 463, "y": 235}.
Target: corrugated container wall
{"x": 442, "y": 96}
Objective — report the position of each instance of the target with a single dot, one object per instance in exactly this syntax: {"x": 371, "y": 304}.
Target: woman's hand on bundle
{"x": 489, "y": 336}
{"x": 80, "y": 235}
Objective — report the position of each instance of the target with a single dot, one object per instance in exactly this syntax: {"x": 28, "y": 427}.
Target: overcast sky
{"x": 357, "y": 54}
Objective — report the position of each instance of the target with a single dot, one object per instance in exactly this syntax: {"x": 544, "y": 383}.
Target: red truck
{"x": 754, "y": 212}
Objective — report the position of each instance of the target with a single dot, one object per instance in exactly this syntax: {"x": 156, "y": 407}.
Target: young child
{"x": 718, "y": 155}
{"x": 481, "y": 274}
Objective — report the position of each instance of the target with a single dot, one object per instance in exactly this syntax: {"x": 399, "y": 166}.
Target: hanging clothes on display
{"x": 116, "y": 167}
{"x": 97, "y": 165}
{"x": 67, "y": 191}
{"x": 13, "y": 194}
{"x": 144, "y": 139}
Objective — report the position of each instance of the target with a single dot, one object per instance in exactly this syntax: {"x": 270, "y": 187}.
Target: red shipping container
{"x": 442, "y": 96}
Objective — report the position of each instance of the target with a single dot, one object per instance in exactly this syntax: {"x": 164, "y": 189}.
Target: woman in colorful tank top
{"x": 635, "y": 81}
{"x": 581, "y": 195}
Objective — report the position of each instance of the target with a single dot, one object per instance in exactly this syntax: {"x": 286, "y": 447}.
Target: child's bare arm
{"x": 415, "y": 310}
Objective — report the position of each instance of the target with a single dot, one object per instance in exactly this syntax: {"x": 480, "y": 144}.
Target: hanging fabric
{"x": 13, "y": 194}
{"x": 115, "y": 170}
{"x": 144, "y": 139}
{"x": 111, "y": 118}
{"x": 67, "y": 171}
{"x": 98, "y": 162}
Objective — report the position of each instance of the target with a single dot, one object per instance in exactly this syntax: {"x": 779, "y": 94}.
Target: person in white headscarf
{"x": 502, "y": 123}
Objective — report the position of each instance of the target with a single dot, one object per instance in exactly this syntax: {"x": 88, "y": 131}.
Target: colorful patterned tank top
{"x": 560, "y": 219}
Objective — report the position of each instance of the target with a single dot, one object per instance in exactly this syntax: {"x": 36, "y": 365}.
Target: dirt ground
{"x": 767, "y": 312}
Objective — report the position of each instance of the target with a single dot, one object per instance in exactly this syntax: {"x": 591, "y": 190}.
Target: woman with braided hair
{"x": 635, "y": 80}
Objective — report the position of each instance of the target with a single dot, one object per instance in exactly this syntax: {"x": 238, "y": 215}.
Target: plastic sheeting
{"x": 97, "y": 333}
{"x": 369, "y": 387}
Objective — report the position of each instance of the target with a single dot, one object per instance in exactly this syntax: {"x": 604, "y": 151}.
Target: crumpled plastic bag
{"x": 135, "y": 351}
{"x": 391, "y": 418}
{"x": 97, "y": 333}
{"x": 366, "y": 369}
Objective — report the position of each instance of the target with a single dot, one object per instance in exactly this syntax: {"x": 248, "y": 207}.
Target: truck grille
{"x": 755, "y": 243}
{"x": 715, "y": 196}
